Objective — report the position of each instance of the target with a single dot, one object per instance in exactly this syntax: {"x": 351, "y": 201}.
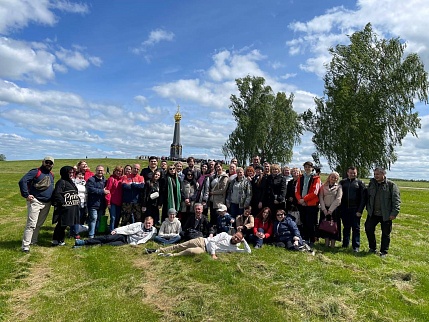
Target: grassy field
{"x": 123, "y": 284}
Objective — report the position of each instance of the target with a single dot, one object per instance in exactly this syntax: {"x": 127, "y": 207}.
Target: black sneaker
{"x": 372, "y": 251}
{"x": 383, "y": 255}
{"x": 150, "y": 250}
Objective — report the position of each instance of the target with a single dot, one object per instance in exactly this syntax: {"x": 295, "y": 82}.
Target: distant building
{"x": 176, "y": 147}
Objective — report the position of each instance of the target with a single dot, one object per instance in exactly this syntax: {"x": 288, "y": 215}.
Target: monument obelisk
{"x": 176, "y": 147}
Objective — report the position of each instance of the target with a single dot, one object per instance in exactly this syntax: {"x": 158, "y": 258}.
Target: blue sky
{"x": 104, "y": 78}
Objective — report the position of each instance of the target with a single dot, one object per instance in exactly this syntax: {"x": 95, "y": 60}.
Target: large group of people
{"x": 208, "y": 208}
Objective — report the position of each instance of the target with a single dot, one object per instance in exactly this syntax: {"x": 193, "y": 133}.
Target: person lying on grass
{"x": 221, "y": 243}
{"x": 133, "y": 234}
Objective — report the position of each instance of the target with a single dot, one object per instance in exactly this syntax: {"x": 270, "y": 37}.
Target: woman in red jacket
{"x": 306, "y": 192}
{"x": 114, "y": 198}
{"x": 263, "y": 228}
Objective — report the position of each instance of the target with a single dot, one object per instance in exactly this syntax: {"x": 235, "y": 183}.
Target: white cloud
{"x": 17, "y": 14}
{"x": 20, "y": 60}
{"x": 35, "y": 62}
{"x": 155, "y": 37}
{"x": 398, "y": 19}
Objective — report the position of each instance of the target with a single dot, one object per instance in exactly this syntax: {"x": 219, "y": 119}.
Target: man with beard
{"x": 36, "y": 187}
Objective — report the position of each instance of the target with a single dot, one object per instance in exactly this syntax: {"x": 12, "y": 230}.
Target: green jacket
{"x": 390, "y": 198}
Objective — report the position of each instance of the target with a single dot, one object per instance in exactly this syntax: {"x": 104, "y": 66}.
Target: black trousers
{"x": 386, "y": 228}
{"x": 112, "y": 240}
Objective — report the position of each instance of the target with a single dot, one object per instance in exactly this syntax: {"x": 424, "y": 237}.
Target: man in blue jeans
{"x": 352, "y": 205}
{"x": 96, "y": 201}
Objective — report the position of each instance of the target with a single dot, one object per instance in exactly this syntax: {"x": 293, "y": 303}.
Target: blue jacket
{"x": 27, "y": 182}
{"x": 223, "y": 223}
{"x": 95, "y": 189}
{"x": 285, "y": 230}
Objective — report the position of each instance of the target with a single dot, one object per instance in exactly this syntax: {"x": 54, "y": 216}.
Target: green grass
{"x": 271, "y": 284}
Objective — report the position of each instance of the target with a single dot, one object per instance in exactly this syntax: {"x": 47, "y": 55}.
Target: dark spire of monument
{"x": 176, "y": 147}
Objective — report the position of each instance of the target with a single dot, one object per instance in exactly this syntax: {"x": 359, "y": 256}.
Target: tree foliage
{"x": 267, "y": 125}
{"x": 368, "y": 109}
{"x": 2, "y": 157}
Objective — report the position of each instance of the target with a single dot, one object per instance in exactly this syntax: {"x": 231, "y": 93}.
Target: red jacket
{"x": 114, "y": 185}
{"x": 266, "y": 226}
{"x": 312, "y": 196}
{"x": 88, "y": 174}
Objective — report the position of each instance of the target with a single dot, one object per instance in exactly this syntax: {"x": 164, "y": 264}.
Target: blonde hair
{"x": 275, "y": 166}
{"x": 337, "y": 176}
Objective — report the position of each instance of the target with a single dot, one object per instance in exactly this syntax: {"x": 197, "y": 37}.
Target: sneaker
{"x": 383, "y": 254}
{"x": 26, "y": 249}
{"x": 61, "y": 243}
{"x": 54, "y": 243}
{"x": 305, "y": 248}
{"x": 168, "y": 255}
{"x": 258, "y": 246}
{"x": 151, "y": 250}
{"x": 372, "y": 251}
{"x": 356, "y": 249}
{"x": 161, "y": 254}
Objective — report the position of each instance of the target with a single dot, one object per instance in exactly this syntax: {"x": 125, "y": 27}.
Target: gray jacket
{"x": 390, "y": 198}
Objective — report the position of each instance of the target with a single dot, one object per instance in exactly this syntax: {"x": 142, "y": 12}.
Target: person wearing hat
{"x": 169, "y": 233}
{"x": 36, "y": 187}
{"x": 224, "y": 220}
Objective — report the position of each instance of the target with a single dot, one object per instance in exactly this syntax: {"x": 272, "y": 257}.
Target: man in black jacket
{"x": 352, "y": 205}
{"x": 198, "y": 225}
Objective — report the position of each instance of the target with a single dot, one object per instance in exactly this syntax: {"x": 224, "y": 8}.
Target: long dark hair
{"x": 260, "y": 215}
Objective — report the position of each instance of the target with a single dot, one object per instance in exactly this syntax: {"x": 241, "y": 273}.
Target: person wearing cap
{"x": 133, "y": 234}
{"x": 383, "y": 205}
{"x": 224, "y": 220}
{"x": 307, "y": 193}
{"x": 36, "y": 187}
{"x": 169, "y": 233}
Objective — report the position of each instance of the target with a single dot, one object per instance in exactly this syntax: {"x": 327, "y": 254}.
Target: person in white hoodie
{"x": 133, "y": 234}
{"x": 169, "y": 233}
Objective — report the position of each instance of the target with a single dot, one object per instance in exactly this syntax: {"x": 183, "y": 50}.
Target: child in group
{"x": 224, "y": 221}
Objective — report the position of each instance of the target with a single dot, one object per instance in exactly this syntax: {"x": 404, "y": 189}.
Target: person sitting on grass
{"x": 133, "y": 234}
{"x": 245, "y": 222}
{"x": 169, "y": 233}
{"x": 224, "y": 220}
{"x": 285, "y": 232}
{"x": 221, "y": 243}
{"x": 263, "y": 228}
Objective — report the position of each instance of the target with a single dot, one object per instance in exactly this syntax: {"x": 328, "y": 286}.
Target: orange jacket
{"x": 311, "y": 198}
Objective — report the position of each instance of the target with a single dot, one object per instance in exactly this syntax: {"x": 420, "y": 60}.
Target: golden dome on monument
{"x": 178, "y": 116}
